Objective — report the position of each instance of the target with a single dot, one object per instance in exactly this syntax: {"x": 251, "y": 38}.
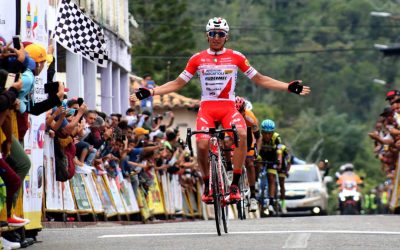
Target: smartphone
{"x": 16, "y": 42}
{"x": 51, "y": 87}
{"x": 17, "y": 76}
{"x": 10, "y": 80}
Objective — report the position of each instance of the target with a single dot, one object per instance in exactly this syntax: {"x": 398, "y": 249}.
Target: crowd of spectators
{"x": 386, "y": 137}
{"x": 121, "y": 146}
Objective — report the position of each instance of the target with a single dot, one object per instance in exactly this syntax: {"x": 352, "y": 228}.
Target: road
{"x": 326, "y": 232}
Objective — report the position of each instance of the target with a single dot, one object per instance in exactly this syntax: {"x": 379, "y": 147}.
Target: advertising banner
{"x": 81, "y": 197}
{"x": 394, "y": 200}
{"x": 94, "y": 197}
{"x": 129, "y": 198}
{"x": 115, "y": 195}
{"x": 154, "y": 197}
{"x": 34, "y": 21}
{"x": 167, "y": 194}
{"x": 68, "y": 199}
{"x": 176, "y": 191}
{"x": 33, "y": 27}
{"x": 144, "y": 209}
{"x": 8, "y": 17}
{"x": 104, "y": 195}
{"x": 33, "y": 183}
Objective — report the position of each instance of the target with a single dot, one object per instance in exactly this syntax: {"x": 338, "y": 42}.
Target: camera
{"x": 187, "y": 158}
{"x": 182, "y": 143}
{"x": 157, "y": 117}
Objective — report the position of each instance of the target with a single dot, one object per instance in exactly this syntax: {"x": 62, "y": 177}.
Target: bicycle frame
{"x": 218, "y": 180}
{"x": 215, "y": 151}
{"x": 264, "y": 186}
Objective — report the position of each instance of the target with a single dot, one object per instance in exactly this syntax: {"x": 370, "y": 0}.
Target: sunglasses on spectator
{"x": 213, "y": 34}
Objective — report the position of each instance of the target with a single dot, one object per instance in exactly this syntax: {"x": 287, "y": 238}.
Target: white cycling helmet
{"x": 347, "y": 167}
{"x": 249, "y": 106}
{"x": 217, "y": 23}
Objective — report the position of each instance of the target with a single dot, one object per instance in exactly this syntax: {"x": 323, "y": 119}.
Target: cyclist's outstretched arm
{"x": 270, "y": 83}
{"x": 170, "y": 86}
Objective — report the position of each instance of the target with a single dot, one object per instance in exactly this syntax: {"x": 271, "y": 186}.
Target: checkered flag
{"x": 79, "y": 34}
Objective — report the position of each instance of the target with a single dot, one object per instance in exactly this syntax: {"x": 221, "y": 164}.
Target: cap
{"x": 140, "y": 131}
{"x": 37, "y": 52}
{"x": 146, "y": 112}
{"x": 159, "y": 135}
{"x": 392, "y": 93}
{"x": 386, "y": 111}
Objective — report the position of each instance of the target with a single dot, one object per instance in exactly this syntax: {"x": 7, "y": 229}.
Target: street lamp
{"x": 380, "y": 14}
{"x": 379, "y": 81}
{"x": 389, "y": 50}
{"x": 384, "y": 14}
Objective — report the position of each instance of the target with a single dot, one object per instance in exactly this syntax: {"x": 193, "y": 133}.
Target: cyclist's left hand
{"x": 296, "y": 87}
{"x": 143, "y": 93}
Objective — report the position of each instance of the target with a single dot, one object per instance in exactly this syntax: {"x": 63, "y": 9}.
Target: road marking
{"x": 297, "y": 240}
{"x": 253, "y": 232}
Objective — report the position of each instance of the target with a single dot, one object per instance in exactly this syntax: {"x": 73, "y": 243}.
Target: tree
{"x": 163, "y": 31}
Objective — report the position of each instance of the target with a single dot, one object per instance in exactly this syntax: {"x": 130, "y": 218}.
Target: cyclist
{"x": 217, "y": 69}
{"x": 283, "y": 172}
{"x": 271, "y": 151}
{"x": 253, "y": 137}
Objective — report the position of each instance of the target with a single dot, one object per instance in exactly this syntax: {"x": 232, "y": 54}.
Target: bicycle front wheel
{"x": 216, "y": 194}
{"x": 224, "y": 206}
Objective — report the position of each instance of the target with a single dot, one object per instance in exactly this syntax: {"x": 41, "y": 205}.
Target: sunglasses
{"x": 213, "y": 34}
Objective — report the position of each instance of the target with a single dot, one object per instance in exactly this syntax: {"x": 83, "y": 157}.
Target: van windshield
{"x": 303, "y": 174}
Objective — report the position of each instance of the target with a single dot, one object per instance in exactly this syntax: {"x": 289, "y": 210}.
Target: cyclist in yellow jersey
{"x": 254, "y": 137}
{"x": 283, "y": 153}
{"x": 269, "y": 145}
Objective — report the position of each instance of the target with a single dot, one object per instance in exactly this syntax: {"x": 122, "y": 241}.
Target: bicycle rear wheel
{"x": 241, "y": 207}
{"x": 216, "y": 194}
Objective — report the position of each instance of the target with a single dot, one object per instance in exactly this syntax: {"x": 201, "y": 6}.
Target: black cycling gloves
{"x": 143, "y": 93}
{"x": 295, "y": 87}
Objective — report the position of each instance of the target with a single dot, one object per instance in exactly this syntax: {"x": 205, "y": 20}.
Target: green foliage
{"x": 163, "y": 32}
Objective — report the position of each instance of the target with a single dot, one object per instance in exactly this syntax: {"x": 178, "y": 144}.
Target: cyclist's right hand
{"x": 143, "y": 93}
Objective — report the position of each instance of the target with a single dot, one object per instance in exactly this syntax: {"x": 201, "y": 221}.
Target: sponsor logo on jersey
{"x": 213, "y": 72}
{"x": 214, "y": 83}
{"x": 213, "y": 89}
{"x": 228, "y": 71}
{"x": 214, "y": 78}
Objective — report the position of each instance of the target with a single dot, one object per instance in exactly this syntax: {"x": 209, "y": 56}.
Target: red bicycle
{"x": 219, "y": 183}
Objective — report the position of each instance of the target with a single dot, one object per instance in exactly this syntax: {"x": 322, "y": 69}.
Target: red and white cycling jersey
{"x": 217, "y": 72}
